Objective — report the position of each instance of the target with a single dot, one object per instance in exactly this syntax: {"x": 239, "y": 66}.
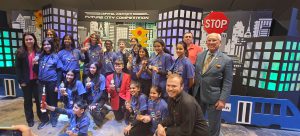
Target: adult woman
{"x": 70, "y": 56}
{"x": 159, "y": 64}
{"x": 49, "y": 70}
{"x": 27, "y": 78}
{"x": 143, "y": 73}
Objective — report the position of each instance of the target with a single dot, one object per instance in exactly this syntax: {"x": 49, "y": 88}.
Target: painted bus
{"x": 264, "y": 112}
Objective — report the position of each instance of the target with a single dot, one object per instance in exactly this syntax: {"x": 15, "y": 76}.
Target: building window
{"x": 271, "y": 86}
{"x": 279, "y": 45}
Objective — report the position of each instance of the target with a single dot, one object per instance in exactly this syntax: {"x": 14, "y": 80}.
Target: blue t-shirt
{"x": 72, "y": 96}
{"x": 185, "y": 68}
{"x": 139, "y": 104}
{"x": 78, "y": 125}
{"x": 144, "y": 75}
{"x": 93, "y": 91}
{"x": 108, "y": 62}
{"x": 70, "y": 59}
{"x": 158, "y": 110}
{"x": 163, "y": 62}
{"x": 48, "y": 66}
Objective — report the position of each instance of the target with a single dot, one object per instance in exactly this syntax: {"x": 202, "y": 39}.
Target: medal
{"x": 71, "y": 102}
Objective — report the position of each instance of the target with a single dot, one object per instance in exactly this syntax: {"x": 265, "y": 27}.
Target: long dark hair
{"x": 138, "y": 59}
{"x": 95, "y": 78}
{"x": 72, "y": 85}
{"x": 51, "y": 42}
{"x": 23, "y": 50}
{"x": 55, "y": 39}
{"x": 186, "y": 52}
{"x": 161, "y": 42}
{"x": 132, "y": 51}
{"x": 63, "y": 46}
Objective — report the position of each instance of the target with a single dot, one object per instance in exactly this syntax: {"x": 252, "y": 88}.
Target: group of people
{"x": 153, "y": 93}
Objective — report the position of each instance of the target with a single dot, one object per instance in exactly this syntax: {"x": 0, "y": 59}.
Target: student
{"x": 49, "y": 69}
{"x": 50, "y": 33}
{"x": 157, "y": 108}
{"x": 136, "y": 109}
{"x": 70, "y": 56}
{"x": 27, "y": 78}
{"x": 108, "y": 59}
{"x": 123, "y": 54}
{"x": 79, "y": 121}
{"x": 92, "y": 53}
{"x": 96, "y": 94}
{"x": 71, "y": 91}
{"x": 132, "y": 61}
{"x": 183, "y": 66}
{"x": 117, "y": 87}
{"x": 143, "y": 73}
{"x": 159, "y": 64}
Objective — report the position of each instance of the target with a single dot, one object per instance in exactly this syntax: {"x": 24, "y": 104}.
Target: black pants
{"x": 119, "y": 114}
{"x": 33, "y": 89}
{"x": 99, "y": 114}
{"x": 140, "y": 129}
{"x": 145, "y": 86}
{"x": 51, "y": 97}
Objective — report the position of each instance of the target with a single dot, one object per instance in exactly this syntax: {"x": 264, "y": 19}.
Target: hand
{"x": 144, "y": 63}
{"x": 146, "y": 119}
{"x": 155, "y": 69}
{"x": 112, "y": 87}
{"x": 128, "y": 106}
{"x": 63, "y": 92}
{"x": 55, "y": 89}
{"x": 160, "y": 130}
{"x": 84, "y": 49}
{"x": 92, "y": 107}
{"x": 127, "y": 129}
{"x": 46, "y": 105}
{"x": 88, "y": 85}
{"x": 220, "y": 104}
{"x": 26, "y": 131}
{"x": 23, "y": 84}
{"x": 70, "y": 133}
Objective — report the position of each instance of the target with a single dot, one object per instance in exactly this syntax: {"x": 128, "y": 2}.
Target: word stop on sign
{"x": 212, "y": 23}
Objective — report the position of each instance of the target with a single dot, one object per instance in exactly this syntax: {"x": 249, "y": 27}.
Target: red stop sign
{"x": 215, "y": 22}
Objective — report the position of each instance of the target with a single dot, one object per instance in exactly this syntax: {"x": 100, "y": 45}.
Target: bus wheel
{"x": 275, "y": 126}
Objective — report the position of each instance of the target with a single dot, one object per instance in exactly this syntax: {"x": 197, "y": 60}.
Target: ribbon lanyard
{"x": 118, "y": 81}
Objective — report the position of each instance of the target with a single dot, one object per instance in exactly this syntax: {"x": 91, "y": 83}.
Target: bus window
{"x": 276, "y": 110}
{"x": 258, "y": 106}
{"x": 289, "y": 112}
{"x": 267, "y": 108}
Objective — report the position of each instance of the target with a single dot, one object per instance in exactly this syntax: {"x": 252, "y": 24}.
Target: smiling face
{"x": 70, "y": 77}
{"x": 29, "y": 41}
{"x": 142, "y": 53}
{"x": 174, "y": 86}
{"x": 118, "y": 68}
{"x": 158, "y": 47}
{"x": 188, "y": 38}
{"x": 67, "y": 41}
{"x": 50, "y": 34}
{"x": 122, "y": 46}
{"x": 108, "y": 45}
{"x": 47, "y": 47}
{"x": 93, "y": 39}
{"x": 93, "y": 69}
{"x": 180, "y": 50}
{"x": 154, "y": 95}
{"x": 213, "y": 42}
{"x": 134, "y": 90}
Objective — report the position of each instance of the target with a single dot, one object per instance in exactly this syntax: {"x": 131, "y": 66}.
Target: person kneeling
{"x": 79, "y": 121}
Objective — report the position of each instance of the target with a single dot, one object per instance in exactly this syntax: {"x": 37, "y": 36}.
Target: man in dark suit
{"x": 213, "y": 81}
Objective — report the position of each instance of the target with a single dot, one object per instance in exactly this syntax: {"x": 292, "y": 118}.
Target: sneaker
{"x": 31, "y": 124}
{"x": 54, "y": 122}
{"x": 42, "y": 125}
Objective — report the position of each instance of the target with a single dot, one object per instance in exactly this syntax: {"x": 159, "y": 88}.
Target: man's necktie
{"x": 206, "y": 63}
